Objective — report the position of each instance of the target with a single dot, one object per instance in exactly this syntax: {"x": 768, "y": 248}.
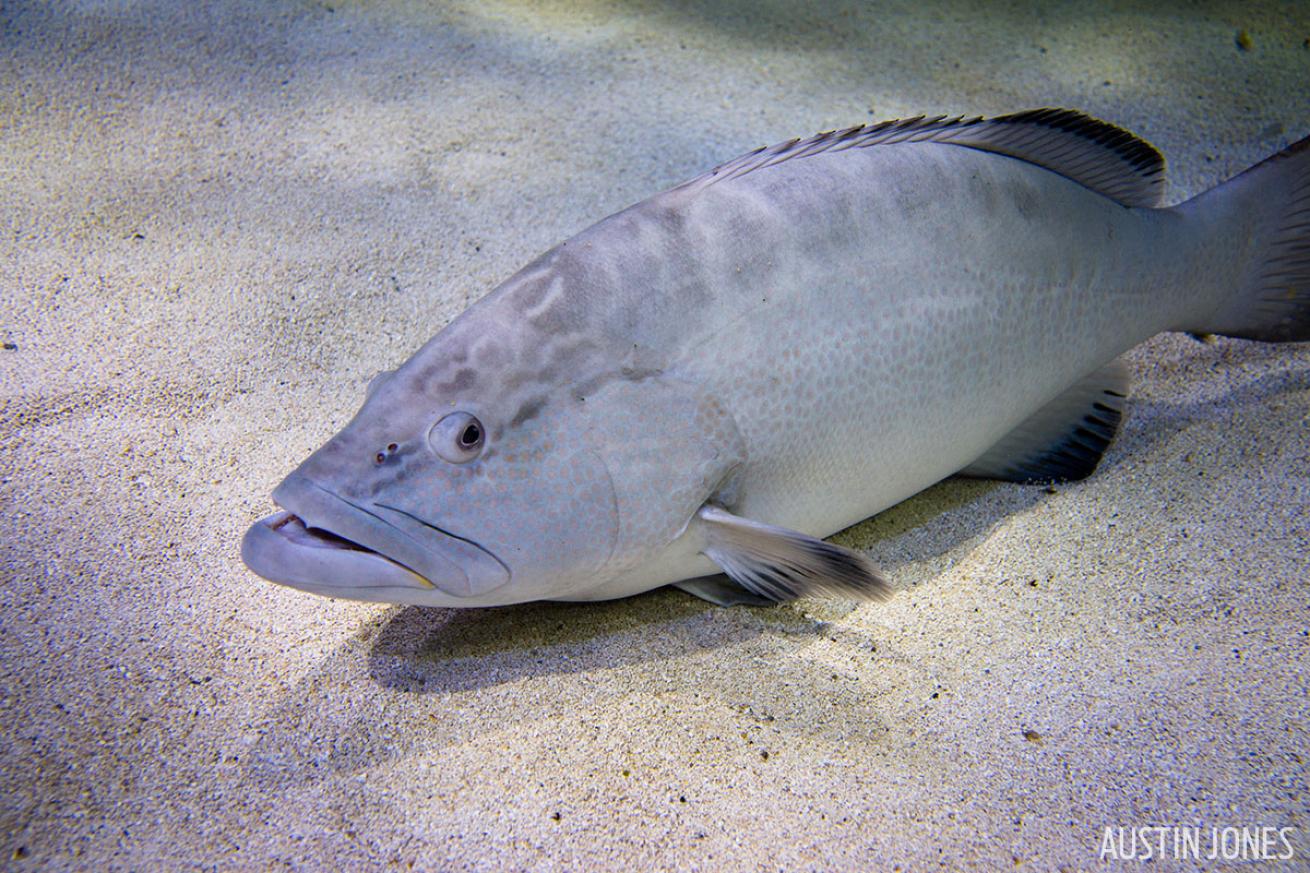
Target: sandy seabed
{"x": 221, "y": 219}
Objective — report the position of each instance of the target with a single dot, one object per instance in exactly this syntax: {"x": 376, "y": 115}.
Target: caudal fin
{"x": 1272, "y": 302}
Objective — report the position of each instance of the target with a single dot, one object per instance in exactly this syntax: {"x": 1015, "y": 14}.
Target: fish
{"x": 698, "y": 389}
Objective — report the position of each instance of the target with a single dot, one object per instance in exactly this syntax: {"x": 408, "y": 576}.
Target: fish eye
{"x": 457, "y": 438}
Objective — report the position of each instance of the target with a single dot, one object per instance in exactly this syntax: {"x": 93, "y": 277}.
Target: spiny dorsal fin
{"x": 783, "y": 564}
{"x": 1100, "y": 156}
{"x": 1066, "y": 438}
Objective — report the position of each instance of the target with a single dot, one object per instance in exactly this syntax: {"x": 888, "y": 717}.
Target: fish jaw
{"x": 281, "y": 548}
{"x": 326, "y": 545}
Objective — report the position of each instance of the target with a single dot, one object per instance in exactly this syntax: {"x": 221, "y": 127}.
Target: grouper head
{"x": 496, "y": 467}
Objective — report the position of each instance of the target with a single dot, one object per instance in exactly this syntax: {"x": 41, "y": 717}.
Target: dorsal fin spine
{"x": 1097, "y": 155}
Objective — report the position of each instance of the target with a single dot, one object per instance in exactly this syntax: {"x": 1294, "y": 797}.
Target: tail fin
{"x": 1272, "y": 302}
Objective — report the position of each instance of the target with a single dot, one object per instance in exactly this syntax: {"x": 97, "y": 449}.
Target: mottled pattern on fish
{"x": 800, "y": 338}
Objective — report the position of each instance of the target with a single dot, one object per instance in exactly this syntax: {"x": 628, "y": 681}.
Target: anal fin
{"x": 1066, "y": 438}
{"x": 781, "y": 564}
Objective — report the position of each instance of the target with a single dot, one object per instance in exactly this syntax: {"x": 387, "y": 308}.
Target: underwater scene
{"x": 883, "y": 441}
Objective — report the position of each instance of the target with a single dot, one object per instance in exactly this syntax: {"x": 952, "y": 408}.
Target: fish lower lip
{"x": 365, "y": 546}
{"x": 282, "y": 548}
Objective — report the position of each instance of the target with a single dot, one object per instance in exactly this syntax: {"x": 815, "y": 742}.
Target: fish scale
{"x": 889, "y": 399}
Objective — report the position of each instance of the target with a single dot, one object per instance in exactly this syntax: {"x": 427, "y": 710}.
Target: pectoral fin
{"x": 782, "y": 564}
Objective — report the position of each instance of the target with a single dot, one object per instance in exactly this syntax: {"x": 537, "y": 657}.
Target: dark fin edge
{"x": 1065, "y": 439}
{"x": 1274, "y": 305}
{"x": 783, "y": 564}
{"x": 1107, "y": 159}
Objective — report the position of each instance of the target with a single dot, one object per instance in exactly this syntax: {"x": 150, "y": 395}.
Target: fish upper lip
{"x": 282, "y": 548}
{"x": 325, "y": 537}
{"x": 461, "y": 567}
{"x": 441, "y": 530}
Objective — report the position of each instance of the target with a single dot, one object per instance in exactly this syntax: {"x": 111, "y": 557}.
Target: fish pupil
{"x": 470, "y": 436}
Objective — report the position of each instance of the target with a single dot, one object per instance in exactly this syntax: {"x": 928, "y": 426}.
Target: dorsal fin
{"x": 1107, "y": 159}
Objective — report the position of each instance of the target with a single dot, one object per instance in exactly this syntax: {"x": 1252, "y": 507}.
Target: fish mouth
{"x": 323, "y": 543}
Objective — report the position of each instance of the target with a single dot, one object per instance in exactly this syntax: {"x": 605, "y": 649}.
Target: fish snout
{"x": 325, "y": 543}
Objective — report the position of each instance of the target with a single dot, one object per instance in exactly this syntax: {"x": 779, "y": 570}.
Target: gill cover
{"x": 669, "y": 447}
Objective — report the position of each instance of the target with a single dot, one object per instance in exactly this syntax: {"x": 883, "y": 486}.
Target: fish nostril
{"x": 382, "y": 456}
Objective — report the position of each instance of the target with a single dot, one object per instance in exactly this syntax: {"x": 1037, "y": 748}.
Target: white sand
{"x": 219, "y": 220}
